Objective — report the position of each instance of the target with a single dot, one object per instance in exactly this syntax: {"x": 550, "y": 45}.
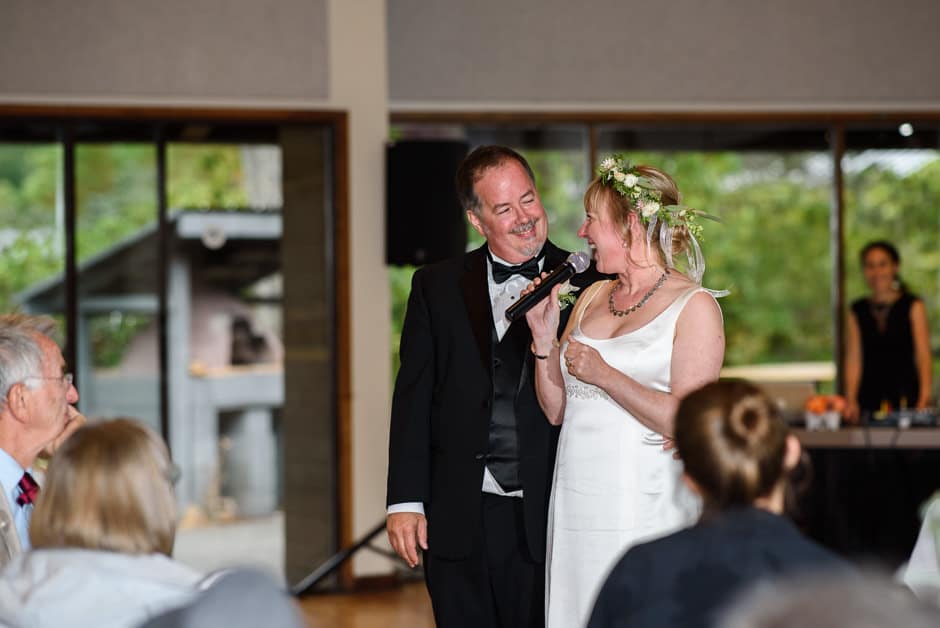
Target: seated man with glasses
{"x": 37, "y": 413}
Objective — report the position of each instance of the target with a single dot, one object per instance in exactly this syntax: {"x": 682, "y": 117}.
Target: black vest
{"x": 508, "y": 357}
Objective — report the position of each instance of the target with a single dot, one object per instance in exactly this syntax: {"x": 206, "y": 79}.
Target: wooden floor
{"x": 407, "y": 606}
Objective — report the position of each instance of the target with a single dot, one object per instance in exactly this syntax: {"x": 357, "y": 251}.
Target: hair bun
{"x": 732, "y": 441}
{"x": 748, "y": 420}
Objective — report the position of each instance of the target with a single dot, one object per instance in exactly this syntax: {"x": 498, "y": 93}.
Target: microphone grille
{"x": 579, "y": 261}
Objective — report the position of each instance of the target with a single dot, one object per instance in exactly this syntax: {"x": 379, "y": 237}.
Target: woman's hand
{"x": 851, "y": 412}
{"x": 74, "y": 420}
{"x": 543, "y": 317}
{"x": 585, "y": 363}
{"x": 670, "y": 445}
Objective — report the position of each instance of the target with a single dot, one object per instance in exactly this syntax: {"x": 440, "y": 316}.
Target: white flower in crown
{"x": 626, "y": 180}
{"x": 567, "y": 295}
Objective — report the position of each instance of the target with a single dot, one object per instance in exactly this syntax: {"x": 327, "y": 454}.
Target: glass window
{"x": 223, "y": 176}
{"x": 892, "y": 192}
{"x": 770, "y": 187}
{"x": 116, "y": 244}
{"x": 225, "y": 190}
{"x": 32, "y": 238}
{"x": 771, "y": 184}
{"x": 225, "y": 363}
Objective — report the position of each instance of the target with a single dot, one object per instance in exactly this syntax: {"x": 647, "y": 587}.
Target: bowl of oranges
{"x": 824, "y": 412}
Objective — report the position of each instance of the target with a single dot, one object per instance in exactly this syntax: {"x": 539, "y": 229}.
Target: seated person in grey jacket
{"x": 102, "y": 534}
{"x": 237, "y": 598}
{"x": 737, "y": 453}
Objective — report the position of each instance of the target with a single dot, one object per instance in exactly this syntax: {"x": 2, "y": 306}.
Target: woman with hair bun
{"x": 634, "y": 345}
{"x": 737, "y": 453}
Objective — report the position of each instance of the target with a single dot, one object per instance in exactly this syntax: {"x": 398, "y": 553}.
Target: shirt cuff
{"x": 417, "y": 507}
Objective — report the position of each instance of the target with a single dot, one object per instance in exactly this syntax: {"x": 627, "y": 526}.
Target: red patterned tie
{"x": 28, "y": 490}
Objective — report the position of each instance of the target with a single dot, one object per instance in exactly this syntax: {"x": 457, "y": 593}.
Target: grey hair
{"x": 20, "y": 353}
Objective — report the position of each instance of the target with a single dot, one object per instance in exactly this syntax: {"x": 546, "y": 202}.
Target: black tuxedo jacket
{"x": 441, "y": 406}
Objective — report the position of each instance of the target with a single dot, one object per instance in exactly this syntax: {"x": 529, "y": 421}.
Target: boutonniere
{"x": 567, "y": 295}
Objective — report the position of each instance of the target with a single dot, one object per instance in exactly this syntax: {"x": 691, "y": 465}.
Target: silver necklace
{"x": 633, "y": 308}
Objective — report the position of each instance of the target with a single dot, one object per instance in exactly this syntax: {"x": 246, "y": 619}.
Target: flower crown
{"x": 618, "y": 173}
{"x": 626, "y": 180}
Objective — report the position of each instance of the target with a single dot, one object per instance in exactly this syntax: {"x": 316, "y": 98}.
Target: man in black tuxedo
{"x": 470, "y": 452}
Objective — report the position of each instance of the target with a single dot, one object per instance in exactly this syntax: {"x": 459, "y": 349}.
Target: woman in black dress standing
{"x": 887, "y": 362}
{"x": 887, "y": 367}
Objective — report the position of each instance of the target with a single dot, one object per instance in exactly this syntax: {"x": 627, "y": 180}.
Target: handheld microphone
{"x": 576, "y": 263}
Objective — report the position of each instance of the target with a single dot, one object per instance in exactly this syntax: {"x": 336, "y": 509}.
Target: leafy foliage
{"x": 110, "y": 334}
{"x": 205, "y": 176}
{"x": 28, "y": 257}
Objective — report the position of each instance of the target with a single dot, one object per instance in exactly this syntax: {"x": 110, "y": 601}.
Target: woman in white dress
{"x": 633, "y": 347}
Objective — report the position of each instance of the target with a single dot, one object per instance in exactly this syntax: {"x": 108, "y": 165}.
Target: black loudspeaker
{"x": 424, "y": 222}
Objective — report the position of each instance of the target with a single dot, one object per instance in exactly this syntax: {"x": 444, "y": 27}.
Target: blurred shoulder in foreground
{"x": 241, "y": 597}
{"x": 861, "y": 601}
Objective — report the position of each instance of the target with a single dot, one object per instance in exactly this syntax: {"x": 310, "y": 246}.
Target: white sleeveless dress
{"x": 613, "y": 485}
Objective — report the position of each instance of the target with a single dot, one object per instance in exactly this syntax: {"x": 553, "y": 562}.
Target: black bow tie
{"x": 528, "y": 269}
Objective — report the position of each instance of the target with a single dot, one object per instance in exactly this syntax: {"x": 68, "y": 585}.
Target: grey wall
{"x": 171, "y": 48}
{"x": 685, "y": 53}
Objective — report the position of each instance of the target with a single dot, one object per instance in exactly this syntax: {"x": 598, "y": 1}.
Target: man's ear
{"x": 16, "y": 400}
{"x": 635, "y": 225}
{"x": 475, "y": 221}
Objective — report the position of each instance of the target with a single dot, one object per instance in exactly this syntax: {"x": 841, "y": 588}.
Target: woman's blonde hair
{"x": 619, "y": 207}
{"x": 108, "y": 487}
{"x": 732, "y": 441}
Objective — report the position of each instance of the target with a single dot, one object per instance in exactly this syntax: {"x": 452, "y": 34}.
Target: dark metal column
{"x": 163, "y": 243}
{"x": 71, "y": 273}
{"x": 836, "y": 239}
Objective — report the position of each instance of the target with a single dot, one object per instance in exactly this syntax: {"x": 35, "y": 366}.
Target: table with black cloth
{"x": 867, "y": 487}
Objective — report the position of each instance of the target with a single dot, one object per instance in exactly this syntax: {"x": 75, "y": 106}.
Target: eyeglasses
{"x": 66, "y": 379}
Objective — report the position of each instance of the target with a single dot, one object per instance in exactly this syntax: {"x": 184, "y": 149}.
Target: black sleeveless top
{"x": 889, "y": 370}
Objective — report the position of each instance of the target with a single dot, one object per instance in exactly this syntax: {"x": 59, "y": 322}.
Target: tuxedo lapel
{"x": 521, "y": 337}
{"x": 554, "y": 257}
{"x": 476, "y": 296}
